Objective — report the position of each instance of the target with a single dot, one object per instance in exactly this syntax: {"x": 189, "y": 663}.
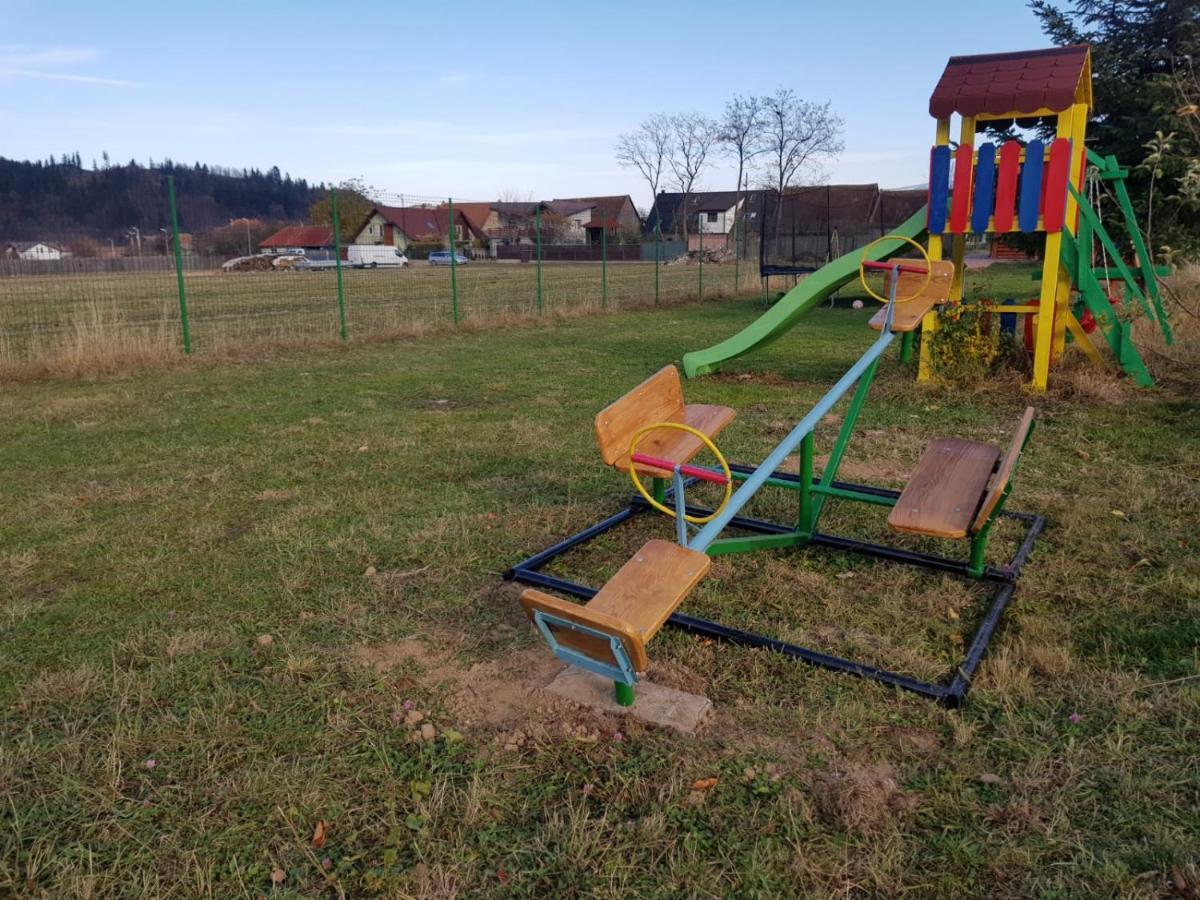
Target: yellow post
{"x": 1076, "y": 130}
{"x": 929, "y": 324}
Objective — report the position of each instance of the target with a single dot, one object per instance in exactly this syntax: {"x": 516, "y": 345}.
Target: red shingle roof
{"x": 1021, "y": 82}
{"x": 418, "y": 222}
{"x": 300, "y": 236}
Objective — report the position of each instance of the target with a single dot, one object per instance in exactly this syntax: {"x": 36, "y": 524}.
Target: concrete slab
{"x": 653, "y": 703}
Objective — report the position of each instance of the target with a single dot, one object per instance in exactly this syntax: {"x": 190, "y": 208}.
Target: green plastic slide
{"x": 799, "y": 300}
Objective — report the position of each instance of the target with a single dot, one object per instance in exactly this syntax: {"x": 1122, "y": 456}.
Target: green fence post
{"x": 453, "y": 264}
{"x": 183, "y": 313}
{"x": 337, "y": 263}
{"x": 537, "y": 219}
{"x": 604, "y": 268}
{"x": 737, "y": 255}
{"x": 657, "y": 257}
{"x": 700, "y": 256}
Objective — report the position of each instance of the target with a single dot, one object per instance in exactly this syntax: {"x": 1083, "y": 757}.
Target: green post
{"x": 537, "y": 218}
{"x": 453, "y": 265}
{"x": 337, "y": 258}
{"x": 700, "y": 256}
{"x": 604, "y": 268}
{"x": 906, "y": 347}
{"x": 624, "y": 693}
{"x": 806, "y": 477}
{"x": 183, "y": 313}
{"x": 658, "y": 489}
{"x": 657, "y": 256}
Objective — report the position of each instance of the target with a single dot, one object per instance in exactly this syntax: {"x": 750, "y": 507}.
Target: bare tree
{"x": 796, "y": 134}
{"x": 741, "y": 135}
{"x": 646, "y": 149}
{"x": 693, "y": 136}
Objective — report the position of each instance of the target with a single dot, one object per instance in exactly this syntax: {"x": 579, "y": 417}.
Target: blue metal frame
{"x": 622, "y": 672}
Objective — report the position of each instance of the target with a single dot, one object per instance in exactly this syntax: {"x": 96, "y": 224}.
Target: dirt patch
{"x": 861, "y": 798}
{"x": 499, "y": 693}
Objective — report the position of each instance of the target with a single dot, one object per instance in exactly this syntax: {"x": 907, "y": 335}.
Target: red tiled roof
{"x": 1000, "y": 83}
{"x": 475, "y": 213}
{"x": 301, "y": 236}
{"x": 418, "y": 222}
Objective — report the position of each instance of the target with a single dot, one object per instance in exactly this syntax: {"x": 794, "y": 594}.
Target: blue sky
{"x": 427, "y": 100}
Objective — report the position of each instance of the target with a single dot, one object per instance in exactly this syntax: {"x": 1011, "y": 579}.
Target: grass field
{"x": 48, "y": 317}
{"x": 231, "y": 596}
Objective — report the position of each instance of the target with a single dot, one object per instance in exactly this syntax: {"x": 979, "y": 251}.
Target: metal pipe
{"x": 767, "y": 467}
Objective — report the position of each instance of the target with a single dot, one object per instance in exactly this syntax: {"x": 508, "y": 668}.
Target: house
{"x": 482, "y": 217}
{"x": 298, "y": 237}
{"x": 711, "y": 216}
{"x": 400, "y": 226}
{"x": 516, "y": 222}
{"x": 586, "y": 218}
{"x": 35, "y": 250}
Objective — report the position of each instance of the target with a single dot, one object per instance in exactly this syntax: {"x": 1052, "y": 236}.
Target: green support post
{"x": 337, "y": 262}
{"x": 829, "y": 475}
{"x": 624, "y": 693}
{"x": 183, "y": 310}
{"x": 537, "y": 219}
{"x": 604, "y": 268}
{"x": 906, "y": 347}
{"x": 737, "y": 256}
{"x": 805, "y": 525}
{"x": 453, "y": 264}
{"x": 700, "y": 257}
{"x": 658, "y": 489}
{"x": 657, "y": 256}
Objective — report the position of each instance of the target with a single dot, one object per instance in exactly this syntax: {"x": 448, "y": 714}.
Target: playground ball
{"x": 857, "y": 304}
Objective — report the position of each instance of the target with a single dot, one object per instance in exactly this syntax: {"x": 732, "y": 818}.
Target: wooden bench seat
{"x": 632, "y": 606}
{"x": 909, "y": 313}
{"x": 957, "y": 485}
{"x": 657, "y": 399}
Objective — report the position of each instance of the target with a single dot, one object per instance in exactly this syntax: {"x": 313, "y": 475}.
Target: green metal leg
{"x": 906, "y": 347}
{"x": 805, "y": 526}
{"x": 658, "y": 489}
{"x": 624, "y": 693}
{"x": 979, "y": 550}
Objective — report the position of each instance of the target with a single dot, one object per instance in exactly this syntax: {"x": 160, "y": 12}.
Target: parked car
{"x": 442, "y": 258}
{"x": 372, "y": 255}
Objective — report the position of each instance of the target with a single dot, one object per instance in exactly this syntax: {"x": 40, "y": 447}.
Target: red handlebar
{"x": 668, "y": 466}
{"x": 870, "y": 264}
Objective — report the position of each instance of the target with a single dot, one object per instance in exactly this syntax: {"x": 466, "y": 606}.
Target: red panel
{"x": 1006, "y": 185}
{"x": 960, "y": 200}
{"x": 1054, "y": 195}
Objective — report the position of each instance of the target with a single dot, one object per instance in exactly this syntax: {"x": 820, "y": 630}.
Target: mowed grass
{"x": 46, "y": 315}
{"x": 230, "y": 598}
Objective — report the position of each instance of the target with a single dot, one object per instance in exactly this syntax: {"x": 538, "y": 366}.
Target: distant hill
{"x": 57, "y": 200}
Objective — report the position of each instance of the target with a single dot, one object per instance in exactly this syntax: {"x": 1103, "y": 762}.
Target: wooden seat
{"x": 632, "y": 606}
{"x": 657, "y": 399}
{"x": 909, "y": 313}
{"x": 957, "y": 485}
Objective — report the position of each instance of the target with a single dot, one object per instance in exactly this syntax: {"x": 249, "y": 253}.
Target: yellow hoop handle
{"x": 862, "y": 270}
{"x": 704, "y": 439}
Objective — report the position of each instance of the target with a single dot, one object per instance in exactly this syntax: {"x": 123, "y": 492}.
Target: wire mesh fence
{"x": 160, "y": 275}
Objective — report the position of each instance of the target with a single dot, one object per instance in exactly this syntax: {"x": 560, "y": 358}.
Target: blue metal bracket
{"x": 623, "y": 671}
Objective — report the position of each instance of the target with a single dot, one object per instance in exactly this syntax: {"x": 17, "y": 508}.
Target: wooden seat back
{"x": 657, "y": 399}
{"x": 1004, "y": 472}
{"x": 909, "y": 313}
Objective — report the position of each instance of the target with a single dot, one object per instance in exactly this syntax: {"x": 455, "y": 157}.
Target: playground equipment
{"x": 958, "y": 491}
{"x": 1033, "y": 188}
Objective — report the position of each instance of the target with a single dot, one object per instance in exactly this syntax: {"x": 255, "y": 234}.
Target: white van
{"x": 372, "y": 255}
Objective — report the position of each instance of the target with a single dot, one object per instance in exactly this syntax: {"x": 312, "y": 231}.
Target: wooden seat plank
{"x": 1004, "y": 473}
{"x": 679, "y": 446}
{"x": 651, "y": 585}
{"x": 909, "y": 313}
{"x": 944, "y": 493}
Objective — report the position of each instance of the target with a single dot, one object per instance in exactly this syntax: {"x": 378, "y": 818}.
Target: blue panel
{"x": 1030, "y": 202}
{"x": 1008, "y": 321}
{"x": 985, "y": 185}
{"x": 939, "y": 188}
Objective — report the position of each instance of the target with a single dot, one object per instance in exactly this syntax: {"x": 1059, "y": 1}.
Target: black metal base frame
{"x": 949, "y": 694}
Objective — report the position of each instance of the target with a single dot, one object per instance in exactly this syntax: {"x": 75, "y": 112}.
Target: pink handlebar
{"x": 870, "y": 264}
{"x": 667, "y": 466}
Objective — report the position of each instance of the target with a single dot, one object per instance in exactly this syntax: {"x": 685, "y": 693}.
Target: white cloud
{"x": 22, "y": 61}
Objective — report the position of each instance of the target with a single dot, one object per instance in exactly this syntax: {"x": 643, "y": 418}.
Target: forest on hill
{"x": 62, "y": 200}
